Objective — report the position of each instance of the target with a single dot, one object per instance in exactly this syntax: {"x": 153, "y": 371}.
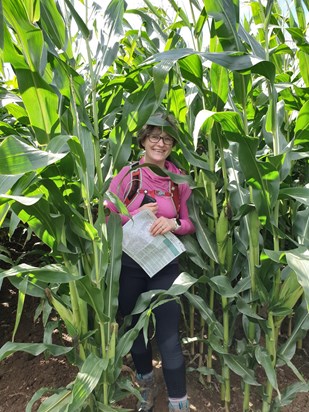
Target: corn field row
{"x": 78, "y": 80}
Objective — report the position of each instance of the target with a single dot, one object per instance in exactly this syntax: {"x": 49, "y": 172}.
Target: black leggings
{"x": 134, "y": 281}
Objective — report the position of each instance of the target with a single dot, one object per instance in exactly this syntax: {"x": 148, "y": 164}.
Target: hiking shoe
{"x": 181, "y": 407}
{"x": 148, "y": 392}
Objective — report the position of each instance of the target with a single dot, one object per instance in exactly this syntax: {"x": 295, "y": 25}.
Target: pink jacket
{"x": 120, "y": 186}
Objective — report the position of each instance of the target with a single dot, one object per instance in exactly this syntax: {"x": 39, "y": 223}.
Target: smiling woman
{"x": 171, "y": 215}
{"x": 156, "y": 147}
{"x": 157, "y": 142}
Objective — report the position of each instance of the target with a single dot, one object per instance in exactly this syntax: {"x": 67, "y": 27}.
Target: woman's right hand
{"x": 153, "y": 207}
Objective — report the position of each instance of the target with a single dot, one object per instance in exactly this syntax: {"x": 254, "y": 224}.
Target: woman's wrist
{"x": 176, "y": 223}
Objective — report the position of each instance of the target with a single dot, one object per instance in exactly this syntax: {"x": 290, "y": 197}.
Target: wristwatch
{"x": 177, "y": 224}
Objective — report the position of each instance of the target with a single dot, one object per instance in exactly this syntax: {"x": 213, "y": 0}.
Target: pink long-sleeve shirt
{"x": 121, "y": 184}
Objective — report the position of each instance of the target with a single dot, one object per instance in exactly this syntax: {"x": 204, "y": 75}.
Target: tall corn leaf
{"x": 33, "y": 10}
{"x": 94, "y": 296}
{"x": 137, "y": 109}
{"x": 78, "y": 20}
{"x": 219, "y": 81}
{"x": 192, "y": 70}
{"x": 204, "y": 236}
{"x": 298, "y": 260}
{"x": 63, "y": 394}
{"x": 302, "y": 126}
{"x": 29, "y": 35}
{"x": 206, "y": 313}
{"x": 229, "y": 60}
{"x": 301, "y": 227}
{"x": 226, "y": 16}
{"x": 54, "y": 26}
{"x": 41, "y": 103}
{"x": 113, "y": 30}
{"x": 17, "y": 157}
{"x": 263, "y": 177}
{"x": 1, "y": 36}
{"x": 114, "y": 231}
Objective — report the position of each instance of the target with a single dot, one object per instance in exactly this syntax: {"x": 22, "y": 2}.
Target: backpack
{"x": 135, "y": 189}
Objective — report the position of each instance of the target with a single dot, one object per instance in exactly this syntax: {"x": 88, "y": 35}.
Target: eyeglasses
{"x": 155, "y": 138}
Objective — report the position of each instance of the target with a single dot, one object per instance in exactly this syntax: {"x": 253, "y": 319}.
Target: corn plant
{"x": 239, "y": 93}
{"x": 240, "y": 116}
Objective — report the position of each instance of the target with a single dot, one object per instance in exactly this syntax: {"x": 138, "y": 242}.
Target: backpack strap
{"x": 135, "y": 189}
{"x": 175, "y": 196}
{"x": 134, "y": 185}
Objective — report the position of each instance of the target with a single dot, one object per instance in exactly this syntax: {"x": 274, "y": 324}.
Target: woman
{"x": 171, "y": 215}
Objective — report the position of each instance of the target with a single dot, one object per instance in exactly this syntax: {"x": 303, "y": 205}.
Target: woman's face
{"x": 157, "y": 152}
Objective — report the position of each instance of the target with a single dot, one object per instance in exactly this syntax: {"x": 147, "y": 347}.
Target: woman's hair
{"x": 157, "y": 120}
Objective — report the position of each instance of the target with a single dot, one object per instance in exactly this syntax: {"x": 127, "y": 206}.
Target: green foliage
{"x": 69, "y": 115}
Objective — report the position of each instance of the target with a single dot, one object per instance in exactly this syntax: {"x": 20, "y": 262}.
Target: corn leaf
{"x": 49, "y": 274}
{"x": 137, "y": 109}
{"x": 29, "y": 35}
{"x": 20, "y": 304}
{"x": 301, "y": 227}
{"x": 219, "y": 80}
{"x": 206, "y": 313}
{"x": 192, "y": 70}
{"x": 222, "y": 285}
{"x": 289, "y": 394}
{"x": 17, "y": 157}
{"x": 57, "y": 402}
{"x": 40, "y": 393}
{"x": 246, "y": 309}
{"x": 86, "y": 380}
{"x": 114, "y": 231}
{"x": 94, "y": 296}
{"x": 226, "y": 22}
{"x": 264, "y": 359}
{"x": 301, "y": 326}
{"x": 238, "y": 365}
{"x": 298, "y": 260}
{"x": 233, "y": 61}
{"x": 78, "y": 20}
{"x": 27, "y": 201}
{"x": 193, "y": 251}
{"x": 301, "y": 194}
{"x": 33, "y": 348}
{"x": 302, "y": 126}
{"x": 205, "y": 238}
{"x": 41, "y": 103}
{"x": 54, "y": 25}
{"x": 113, "y": 31}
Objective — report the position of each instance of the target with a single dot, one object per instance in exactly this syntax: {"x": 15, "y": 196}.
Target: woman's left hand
{"x": 162, "y": 225}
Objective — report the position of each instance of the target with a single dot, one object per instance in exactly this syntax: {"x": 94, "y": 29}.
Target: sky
{"x": 245, "y": 8}
{"x": 135, "y": 21}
